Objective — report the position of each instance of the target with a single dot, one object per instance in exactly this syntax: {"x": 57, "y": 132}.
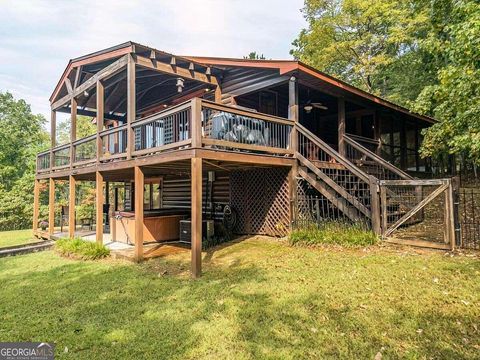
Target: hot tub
{"x": 158, "y": 225}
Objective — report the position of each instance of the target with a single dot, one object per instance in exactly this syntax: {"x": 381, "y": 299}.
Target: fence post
{"x": 383, "y": 205}
{"x": 449, "y": 216}
{"x": 375, "y": 205}
{"x": 456, "y": 209}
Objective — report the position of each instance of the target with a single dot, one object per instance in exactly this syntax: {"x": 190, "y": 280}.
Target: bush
{"x": 333, "y": 233}
{"x": 81, "y": 249}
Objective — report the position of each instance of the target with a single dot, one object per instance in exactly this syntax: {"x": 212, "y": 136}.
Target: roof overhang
{"x": 293, "y": 67}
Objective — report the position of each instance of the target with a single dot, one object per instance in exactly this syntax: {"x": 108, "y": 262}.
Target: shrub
{"x": 333, "y": 233}
{"x": 81, "y": 249}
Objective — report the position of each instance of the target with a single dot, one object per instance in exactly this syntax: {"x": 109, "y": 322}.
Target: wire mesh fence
{"x": 469, "y": 217}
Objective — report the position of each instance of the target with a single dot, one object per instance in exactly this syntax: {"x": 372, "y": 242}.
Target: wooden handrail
{"x": 113, "y": 130}
{"x": 334, "y": 154}
{"x": 377, "y": 159}
{"x": 170, "y": 111}
{"x": 84, "y": 140}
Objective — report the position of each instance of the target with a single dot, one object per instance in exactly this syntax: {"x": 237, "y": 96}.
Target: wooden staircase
{"x": 342, "y": 183}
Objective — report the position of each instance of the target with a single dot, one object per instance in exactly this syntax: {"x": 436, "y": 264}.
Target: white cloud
{"x": 38, "y": 37}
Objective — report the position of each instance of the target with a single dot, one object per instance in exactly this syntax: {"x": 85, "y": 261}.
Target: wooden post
{"x": 99, "y": 207}
{"x": 51, "y": 206}
{"x": 196, "y": 119}
{"x": 139, "y": 185}
{"x": 53, "y": 136}
{"x": 71, "y": 206}
{"x": 292, "y": 178}
{"x": 449, "y": 216}
{"x": 218, "y": 94}
{"x": 341, "y": 126}
{"x": 196, "y": 208}
{"x": 36, "y": 204}
{"x": 375, "y": 206}
{"x": 73, "y": 129}
{"x": 100, "y": 119}
{"x": 383, "y": 207}
{"x": 131, "y": 105}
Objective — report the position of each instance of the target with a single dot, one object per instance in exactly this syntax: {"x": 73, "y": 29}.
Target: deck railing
{"x": 61, "y": 156}
{"x": 85, "y": 150}
{"x": 219, "y": 127}
{"x": 114, "y": 142}
{"x": 230, "y": 128}
{"x": 165, "y": 130}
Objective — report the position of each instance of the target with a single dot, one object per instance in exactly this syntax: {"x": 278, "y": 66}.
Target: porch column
{"x": 131, "y": 105}
{"x": 196, "y": 208}
{"x": 36, "y": 204}
{"x": 341, "y": 126}
{"x": 71, "y": 206}
{"x": 292, "y": 177}
{"x": 51, "y": 206}
{"x": 73, "y": 129}
{"x": 139, "y": 185}
{"x": 53, "y": 135}
{"x": 99, "y": 207}
{"x": 100, "y": 119}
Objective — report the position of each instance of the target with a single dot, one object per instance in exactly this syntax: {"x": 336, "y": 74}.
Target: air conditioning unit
{"x": 186, "y": 230}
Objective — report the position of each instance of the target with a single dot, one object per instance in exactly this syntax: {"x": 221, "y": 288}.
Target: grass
{"x": 333, "y": 233}
{"x": 81, "y": 249}
{"x": 258, "y": 298}
{"x": 16, "y": 237}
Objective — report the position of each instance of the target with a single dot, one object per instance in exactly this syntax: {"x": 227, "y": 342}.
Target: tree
{"x": 21, "y": 137}
{"x": 254, "y": 56}
{"x": 85, "y": 127}
{"x": 455, "y": 98}
{"x": 373, "y": 45}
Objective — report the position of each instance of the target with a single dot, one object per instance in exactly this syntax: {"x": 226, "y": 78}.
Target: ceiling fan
{"x": 309, "y": 105}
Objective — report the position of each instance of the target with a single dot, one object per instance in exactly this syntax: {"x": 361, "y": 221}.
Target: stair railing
{"x": 371, "y": 162}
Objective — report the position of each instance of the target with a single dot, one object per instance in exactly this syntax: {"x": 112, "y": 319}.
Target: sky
{"x": 39, "y": 37}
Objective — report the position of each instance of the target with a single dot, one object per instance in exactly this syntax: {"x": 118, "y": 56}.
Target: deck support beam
{"x": 53, "y": 136}
{"x": 73, "y": 129}
{"x": 51, "y": 206}
{"x": 100, "y": 117}
{"x": 36, "y": 204}
{"x": 341, "y": 126}
{"x": 71, "y": 206}
{"x": 99, "y": 207}
{"x": 139, "y": 189}
{"x": 131, "y": 105}
{"x": 196, "y": 208}
{"x": 292, "y": 177}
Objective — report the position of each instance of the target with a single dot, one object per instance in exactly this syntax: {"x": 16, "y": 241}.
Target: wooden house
{"x": 200, "y": 139}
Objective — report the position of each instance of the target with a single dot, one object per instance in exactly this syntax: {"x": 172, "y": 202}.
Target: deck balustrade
{"x": 222, "y": 128}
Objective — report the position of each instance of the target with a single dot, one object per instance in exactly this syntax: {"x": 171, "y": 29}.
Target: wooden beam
{"x": 177, "y": 71}
{"x": 71, "y": 206}
{"x": 77, "y": 77}
{"x": 100, "y": 117}
{"x": 196, "y": 125}
{"x": 131, "y": 108}
{"x": 36, "y": 204}
{"x": 218, "y": 94}
{"x": 73, "y": 128}
{"x": 68, "y": 85}
{"x": 375, "y": 206}
{"x": 106, "y": 72}
{"x": 53, "y": 136}
{"x": 139, "y": 188}
{"x": 196, "y": 208}
{"x": 341, "y": 126}
{"x": 449, "y": 217}
{"x": 99, "y": 207}
{"x": 51, "y": 206}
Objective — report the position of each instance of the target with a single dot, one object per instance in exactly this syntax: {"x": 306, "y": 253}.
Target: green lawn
{"x": 16, "y": 237}
{"x": 258, "y": 298}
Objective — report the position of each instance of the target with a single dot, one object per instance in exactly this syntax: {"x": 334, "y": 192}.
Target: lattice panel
{"x": 261, "y": 199}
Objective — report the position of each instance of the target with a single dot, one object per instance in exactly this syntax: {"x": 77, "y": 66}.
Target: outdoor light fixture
{"x": 85, "y": 93}
{"x": 308, "y": 108}
{"x": 207, "y": 89}
{"x": 180, "y": 84}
